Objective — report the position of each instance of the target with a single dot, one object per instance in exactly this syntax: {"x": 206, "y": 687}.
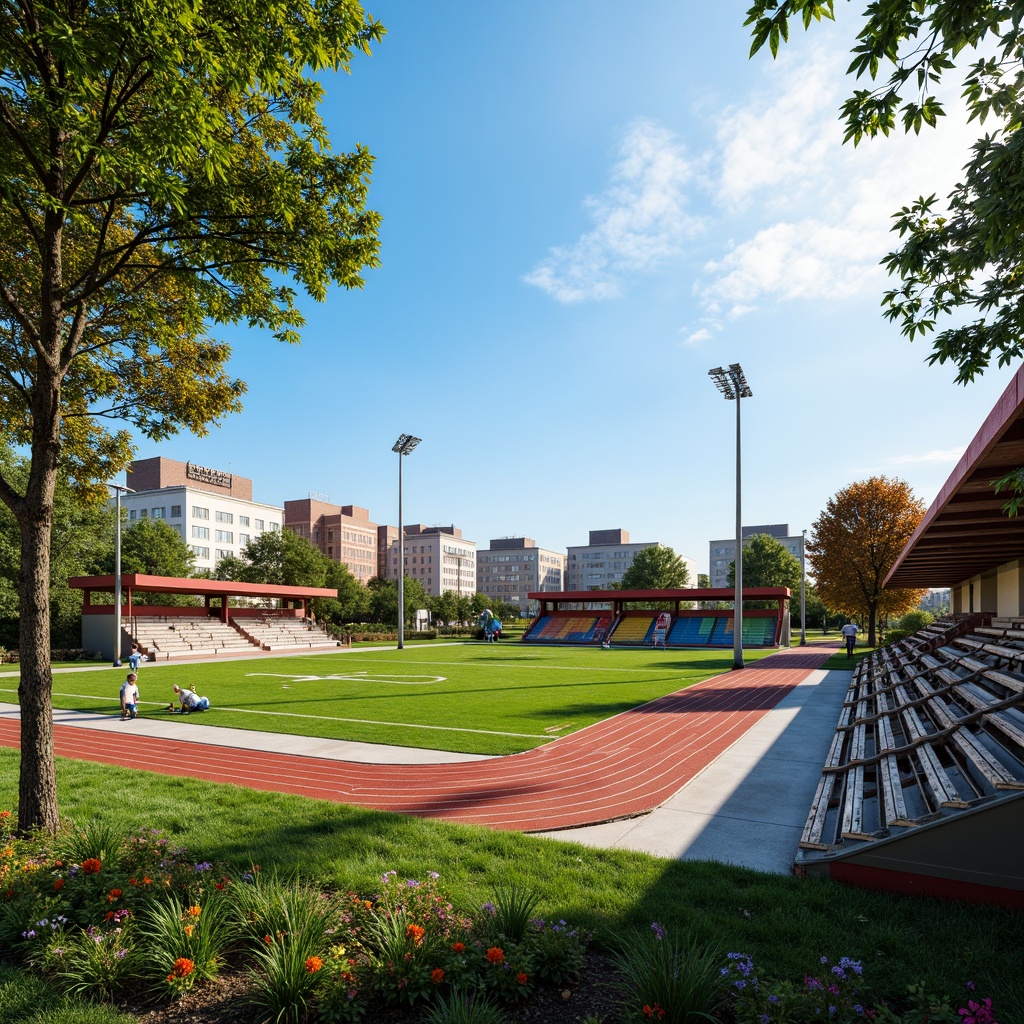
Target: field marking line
{"x": 395, "y": 679}
{"x": 323, "y": 718}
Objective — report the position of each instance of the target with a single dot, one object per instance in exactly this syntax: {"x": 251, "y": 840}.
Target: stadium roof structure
{"x": 142, "y": 583}
{"x": 965, "y": 532}
{"x": 690, "y": 594}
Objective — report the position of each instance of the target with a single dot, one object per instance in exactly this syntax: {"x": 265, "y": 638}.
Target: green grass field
{"x": 473, "y": 698}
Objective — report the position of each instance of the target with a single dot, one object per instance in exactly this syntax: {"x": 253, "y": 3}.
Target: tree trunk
{"x": 37, "y": 792}
{"x": 872, "y": 614}
{"x": 37, "y": 800}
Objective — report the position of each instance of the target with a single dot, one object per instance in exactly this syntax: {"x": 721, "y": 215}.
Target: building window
{"x": 275, "y": 526}
{"x": 175, "y": 511}
{"x": 222, "y": 553}
{"x": 259, "y": 524}
{"x": 159, "y": 513}
{"x": 143, "y": 513}
{"x": 243, "y": 539}
{"x": 225, "y": 517}
{"x": 201, "y": 532}
{"x": 243, "y": 520}
{"x": 200, "y": 552}
{"x": 225, "y": 536}
{"x": 131, "y": 515}
{"x": 200, "y": 513}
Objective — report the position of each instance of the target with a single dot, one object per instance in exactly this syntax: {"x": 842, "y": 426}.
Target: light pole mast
{"x": 405, "y": 444}
{"x": 733, "y": 385}
{"x": 117, "y": 489}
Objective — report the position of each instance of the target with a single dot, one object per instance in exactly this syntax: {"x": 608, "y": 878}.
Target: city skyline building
{"x": 438, "y": 556}
{"x": 512, "y": 567}
{"x": 344, "y": 533}
{"x": 210, "y": 509}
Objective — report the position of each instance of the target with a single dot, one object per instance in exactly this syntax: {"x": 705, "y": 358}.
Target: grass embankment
{"x": 473, "y": 698}
{"x": 786, "y": 924}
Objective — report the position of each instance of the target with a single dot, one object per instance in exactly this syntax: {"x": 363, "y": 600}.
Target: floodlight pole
{"x": 117, "y": 489}
{"x": 803, "y": 591}
{"x": 733, "y": 385}
{"x": 405, "y": 444}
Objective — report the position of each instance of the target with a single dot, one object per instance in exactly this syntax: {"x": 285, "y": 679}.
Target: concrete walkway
{"x": 729, "y": 767}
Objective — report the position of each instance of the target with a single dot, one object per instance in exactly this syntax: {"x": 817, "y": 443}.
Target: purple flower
{"x": 204, "y": 865}
{"x": 121, "y": 954}
{"x": 433, "y": 876}
{"x": 411, "y": 883}
{"x": 659, "y": 932}
{"x": 489, "y": 908}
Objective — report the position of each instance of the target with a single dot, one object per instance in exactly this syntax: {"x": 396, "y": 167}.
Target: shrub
{"x": 677, "y": 982}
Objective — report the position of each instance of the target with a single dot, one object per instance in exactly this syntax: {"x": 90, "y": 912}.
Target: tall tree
{"x": 383, "y": 603}
{"x": 960, "y": 259}
{"x": 856, "y": 541}
{"x": 163, "y": 169}
{"x": 655, "y": 568}
{"x": 285, "y": 559}
{"x": 152, "y": 546}
{"x": 767, "y": 563}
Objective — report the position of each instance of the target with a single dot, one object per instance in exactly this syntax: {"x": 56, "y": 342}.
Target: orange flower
{"x": 194, "y": 911}
{"x": 108, "y": 915}
{"x": 92, "y": 866}
{"x": 188, "y": 929}
{"x": 415, "y": 932}
{"x": 313, "y": 964}
{"x": 5, "y": 814}
{"x": 654, "y": 1011}
{"x": 183, "y": 967}
{"x": 521, "y": 978}
{"x": 495, "y": 955}
{"x": 58, "y": 885}
{"x": 267, "y": 939}
{"x": 437, "y": 975}
{"x": 459, "y": 947}
{"x": 147, "y": 881}
{"x": 114, "y": 894}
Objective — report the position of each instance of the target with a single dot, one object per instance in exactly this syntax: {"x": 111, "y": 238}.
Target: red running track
{"x": 617, "y": 768}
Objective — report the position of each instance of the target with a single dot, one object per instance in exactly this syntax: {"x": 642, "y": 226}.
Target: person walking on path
{"x": 135, "y": 658}
{"x": 130, "y": 697}
{"x": 850, "y": 631}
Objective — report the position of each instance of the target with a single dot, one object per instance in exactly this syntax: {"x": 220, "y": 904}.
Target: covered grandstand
{"x": 923, "y": 787}
{"x": 661, "y": 618}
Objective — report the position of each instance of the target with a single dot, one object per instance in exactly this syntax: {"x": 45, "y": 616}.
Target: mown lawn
{"x": 474, "y": 698}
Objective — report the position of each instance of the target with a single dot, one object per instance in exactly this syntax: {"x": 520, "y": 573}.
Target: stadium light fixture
{"x": 403, "y": 446}
{"x": 733, "y": 385}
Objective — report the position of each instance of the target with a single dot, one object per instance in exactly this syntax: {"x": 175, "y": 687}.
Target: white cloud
{"x": 818, "y": 212}
{"x": 696, "y": 337}
{"x": 948, "y": 456}
{"x": 639, "y": 221}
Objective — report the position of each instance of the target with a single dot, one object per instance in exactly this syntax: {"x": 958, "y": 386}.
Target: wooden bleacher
{"x": 932, "y": 727}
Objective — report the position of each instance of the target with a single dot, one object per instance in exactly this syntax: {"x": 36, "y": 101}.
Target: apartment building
{"x": 343, "y": 533}
{"x": 512, "y": 567}
{"x": 722, "y": 553}
{"x": 602, "y": 562}
{"x": 439, "y": 557}
{"x": 212, "y": 510}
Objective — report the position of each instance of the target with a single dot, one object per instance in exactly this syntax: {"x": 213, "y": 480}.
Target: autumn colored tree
{"x": 856, "y": 541}
{"x": 163, "y": 170}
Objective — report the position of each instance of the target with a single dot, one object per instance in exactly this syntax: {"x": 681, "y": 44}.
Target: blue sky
{"x": 586, "y": 206}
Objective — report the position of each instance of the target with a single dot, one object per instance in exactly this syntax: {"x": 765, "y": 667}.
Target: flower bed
{"x": 136, "y": 919}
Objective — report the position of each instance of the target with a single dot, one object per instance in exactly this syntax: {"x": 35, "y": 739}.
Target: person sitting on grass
{"x": 189, "y": 701}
